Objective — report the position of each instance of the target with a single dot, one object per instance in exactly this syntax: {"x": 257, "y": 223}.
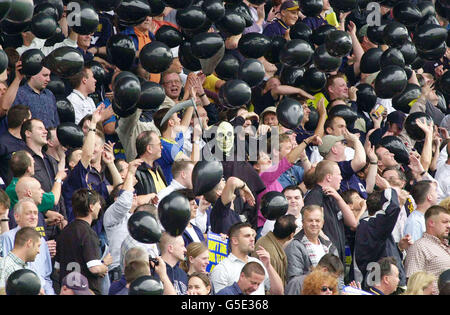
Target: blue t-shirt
{"x": 350, "y": 180}
{"x": 170, "y": 150}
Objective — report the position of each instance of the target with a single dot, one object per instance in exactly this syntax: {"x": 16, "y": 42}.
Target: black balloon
{"x": 273, "y": 205}
{"x": 254, "y": 45}
{"x": 314, "y": 80}
{"x": 344, "y": 111}
{"x": 57, "y": 4}
{"x": 32, "y": 62}
{"x": 70, "y": 135}
{"x": 66, "y": 112}
{"x": 169, "y": 35}
{"x": 429, "y": 36}
{"x": 320, "y": 34}
{"x": 206, "y": 45}
{"x": 366, "y": 97}
{"x": 311, "y": 8}
{"x": 444, "y": 83}
{"x": 133, "y": 12}
{"x": 417, "y": 63}
{"x": 46, "y": 8}
{"x": 98, "y": 71}
{"x": 395, "y": 34}
{"x": 296, "y": 52}
{"x": 64, "y": 61}
{"x": 156, "y": 57}
{"x": 228, "y": 67}
{"x": 3, "y": 61}
{"x": 343, "y": 5}
{"x": 123, "y": 113}
{"x": 152, "y": 96}
{"x": 313, "y": 120}
{"x": 191, "y": 17}
{"x": 289, "y": 113}
{"x": 214, "y": 9}
{"x": 444, "y": 279}
{"x": 231, "y": 24}
{"x": 324, "y": 61}
{"x": 392, "y": 56}
{"x": 18, "y": 17}
{"x": 187, "y": 59}
{"x": 178, "y": 4}
{"x": 396, "y": 146}
{"x": 237, "y": 92}
{"x": 300, "y": 31}
{"x": 292, "y": 76}
{"x": 23, "y": 282}
{"x": 144, "y": 228}
{"x": 174, "y": 213}
{"x": 426, "y": 8}
{"x": 338, "y": 43}
{"x": 88, "y": 19}
{"x": 409, "y": 52}
{"x": 252, "y": 71}
{"x": 406, "y": 13}
{"x": 146, "y": 285}
{"x": 121, "y": 51}
{"x": 56, "y": 85}
{"x": 433, "y": 54}
{"x": 390, "y": 82}
{"x": 402, "y": 102}
{"x": 273, "y": 53}
{"x": 105, "y": 5}
{"x": 156, "y": 7}
{"x": 413, "y": 129}
{"x": 442, "y": 10}
{"x": 5, "y": 7}
{"x": 127, "y": 91}
{"x": 205, "y": 176}
{"x": 43, "y": 26}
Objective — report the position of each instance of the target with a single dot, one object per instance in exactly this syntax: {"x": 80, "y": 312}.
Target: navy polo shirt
{"x": 231, "y": 290}
{"x": 314, "y": 22}
{"x": 275, "y": 28}
{"x": 350, "y": 180}
{"x": 42, "y": 106}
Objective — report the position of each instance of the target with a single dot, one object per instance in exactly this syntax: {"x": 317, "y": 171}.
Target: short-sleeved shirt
{"x": 222, "y": 217}
{"x": 47, "y": 203}
{"x": 78, "y": 248}
{"x": 42, "y": 106}
{"x": 170, "y": 152}
{"x": 350, "y": 180}
{"x": 82, "y": 105}
{"x": 275, "y": 28}
{"x": 8, "y": 145}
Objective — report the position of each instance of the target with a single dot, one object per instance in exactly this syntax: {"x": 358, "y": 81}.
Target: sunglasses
{"x": 325, "y": 288}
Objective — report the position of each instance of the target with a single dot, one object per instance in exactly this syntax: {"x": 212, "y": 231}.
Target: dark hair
{"x": 235, "y": 229}
{"x": 81, "y": 200}
{"x": 4, "y": 199}
{"x": 435, "y": 210}
{"x": 420, "y": 191}
{"x": 19, "y": 163}
{"x": 347, "y": 195}
{"x": 99, "y": 125}
{"x": 373, "y": 202}
{"x": 17, "y": 115}
{"x": 49, "y": 134}
{"x": 292, "y": 187}
{"x": 284, "y": 226}
{"x": 332, "y": 263}
{"x": 386, "y": 265}
{"x": 143, "y": 140}
{"x": 75, "y": 80}
{"x": 24, "y": 235}
{"x": 205, "y": 279}
{"x": 329, "y": 122}
{"x": 188, "y": 193}
{"x": 158, "y": 117}
{"x": 27, "y": 126}
{"x": 253, "y": 267}
{"x": 400, "y": 174}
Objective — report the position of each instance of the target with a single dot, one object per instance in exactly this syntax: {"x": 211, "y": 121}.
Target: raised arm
{"x": 11, "y": 93}
{"x": 359, "y": 161}
{"x": 89, "y": 141}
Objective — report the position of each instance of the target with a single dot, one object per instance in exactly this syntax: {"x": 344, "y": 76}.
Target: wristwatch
{"x": 58, "y": 180}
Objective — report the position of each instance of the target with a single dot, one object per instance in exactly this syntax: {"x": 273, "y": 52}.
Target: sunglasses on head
{"x": 325, "y": 288}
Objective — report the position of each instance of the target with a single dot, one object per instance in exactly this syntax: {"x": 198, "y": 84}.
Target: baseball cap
{"x": 270, "y": 109}
{"x": 328, "y": 142}
{"x": 397, "y": 117}
{"x": 78, "y": 283}
{"x": 289, "y": 5}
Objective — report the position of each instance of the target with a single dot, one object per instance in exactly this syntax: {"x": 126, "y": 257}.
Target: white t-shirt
{"x": 319, "y": 251}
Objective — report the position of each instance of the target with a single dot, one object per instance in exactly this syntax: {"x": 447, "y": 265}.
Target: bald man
{"x": 26, "y": 215}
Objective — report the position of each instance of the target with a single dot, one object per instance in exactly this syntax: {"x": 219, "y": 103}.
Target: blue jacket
{"x": 374, "y": 240}
{"x": 188, "y": 239}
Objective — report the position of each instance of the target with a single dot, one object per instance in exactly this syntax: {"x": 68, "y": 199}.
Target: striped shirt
{"x": 428, "y": 254}
{"x": 8, "y": 265}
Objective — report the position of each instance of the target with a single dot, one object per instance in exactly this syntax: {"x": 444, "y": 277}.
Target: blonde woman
{"x": 420, "y": 283}
{"x": 197, "y": 258}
